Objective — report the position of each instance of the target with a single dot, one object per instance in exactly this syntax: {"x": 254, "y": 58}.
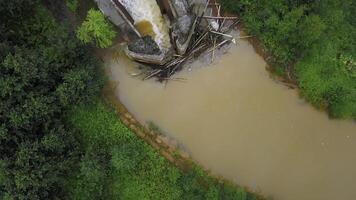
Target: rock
{"x": 125, "y": 121}
{"x": 152, "y": 133}
{"x": 133, "y": 127}
{"x": 144, "y": 45}
{"x": 128, "y": 116}
{"x": 172, "y": 149}
{"x": 133, "y": 121}
{"x": 184, "y": 154}
{"x": 158, "y": 140}
{"x": 164, "y": 139}
{"x": 153, "y": 144}
{"x": 140, "y": 134}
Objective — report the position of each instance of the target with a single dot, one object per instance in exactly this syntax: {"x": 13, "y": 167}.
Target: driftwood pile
{"x": 211, "y": 32}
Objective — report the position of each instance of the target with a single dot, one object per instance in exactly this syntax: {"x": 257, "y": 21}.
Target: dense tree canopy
{"x": 43, "y": 71}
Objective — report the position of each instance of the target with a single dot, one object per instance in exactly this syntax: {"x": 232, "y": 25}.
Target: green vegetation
{"x": 95, "y": 29}
{"x": 118, "y": 165}
{"x": 72, "y": 5}
{"x": 315, "y": 40}
{"x": 44, "y": 70}
{"x": 54, "y": 144}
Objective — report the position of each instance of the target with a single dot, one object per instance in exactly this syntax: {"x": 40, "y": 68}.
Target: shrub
{"x": 95, "y": 29}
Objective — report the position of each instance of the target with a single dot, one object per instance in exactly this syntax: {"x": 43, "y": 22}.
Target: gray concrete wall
{"x": 109, "y": 11}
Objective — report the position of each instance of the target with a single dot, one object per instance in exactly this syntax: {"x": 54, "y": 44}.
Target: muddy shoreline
{"x": 164, "y": 145}
{"x": 288, "y": 79}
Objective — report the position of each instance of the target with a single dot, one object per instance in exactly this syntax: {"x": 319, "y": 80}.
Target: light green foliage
{"x": 133, "y": 170}
{"x": 327, "y": 73}
{"x": 326, "y": 83}
{"x": 348, "y": 65}
{"x": 72, "y": 5}
{"x": 318, "y": 38}
{"x": 95, "y": 29}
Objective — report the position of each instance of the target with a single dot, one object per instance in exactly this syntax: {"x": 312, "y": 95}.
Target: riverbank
{"x": 124, "y": 159}
{"x": 248, "y": 128}
{"x": 284, "y": 78}
{"x": 312, "y": 44}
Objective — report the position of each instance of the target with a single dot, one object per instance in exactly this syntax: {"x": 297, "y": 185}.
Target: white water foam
{"x": 148, "y": 10}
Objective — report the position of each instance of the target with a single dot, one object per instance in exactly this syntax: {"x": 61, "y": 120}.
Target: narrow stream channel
{"x": 237, "y": 121}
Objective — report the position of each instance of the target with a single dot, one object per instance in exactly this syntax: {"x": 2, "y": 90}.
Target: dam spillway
{"x": 148, "y": 20}
{"x": 170, "y": 32}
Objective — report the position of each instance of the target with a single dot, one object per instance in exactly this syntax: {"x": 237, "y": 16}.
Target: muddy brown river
{"x": 241, "y": 124}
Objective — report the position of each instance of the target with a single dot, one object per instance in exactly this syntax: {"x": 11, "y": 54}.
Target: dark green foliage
{"x": 127, "y": 168}
{"x": 90, "y": 182}
{"x": 15, "y": 11}
{"x": 318, "y": 38}
{"x": 285, "y": 28}
{"x": 44, "y": 70}
{"x": 72, "y": 5}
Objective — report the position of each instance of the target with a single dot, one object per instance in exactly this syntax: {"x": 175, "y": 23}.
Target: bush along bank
{"x": 313, "y": 42}
{"x": 125, "y": 160}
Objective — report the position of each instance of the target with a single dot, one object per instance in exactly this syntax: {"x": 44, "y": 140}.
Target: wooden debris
{"x": 205, "y": 39}
{"x": 226, "y": 18}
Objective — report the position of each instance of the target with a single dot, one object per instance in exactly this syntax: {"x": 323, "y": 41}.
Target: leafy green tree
{"x": 44, "y": 71}
{"x": 95, "y": 29}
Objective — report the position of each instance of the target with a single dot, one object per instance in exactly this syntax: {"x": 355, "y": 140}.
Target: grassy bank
{"x": 118, "y": 165}
{"x": 315, "y": 41}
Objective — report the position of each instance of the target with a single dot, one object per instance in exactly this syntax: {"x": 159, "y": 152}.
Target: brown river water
{"x": 241, "y": 124}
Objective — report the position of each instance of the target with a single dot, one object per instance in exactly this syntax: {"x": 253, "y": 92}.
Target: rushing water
{"x": 241, "y": 124}
{"x": 146, "y": 12}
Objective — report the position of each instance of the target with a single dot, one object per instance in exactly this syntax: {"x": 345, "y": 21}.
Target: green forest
{"x": 60, "y": 138}
{"x": 315, "y": 41}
